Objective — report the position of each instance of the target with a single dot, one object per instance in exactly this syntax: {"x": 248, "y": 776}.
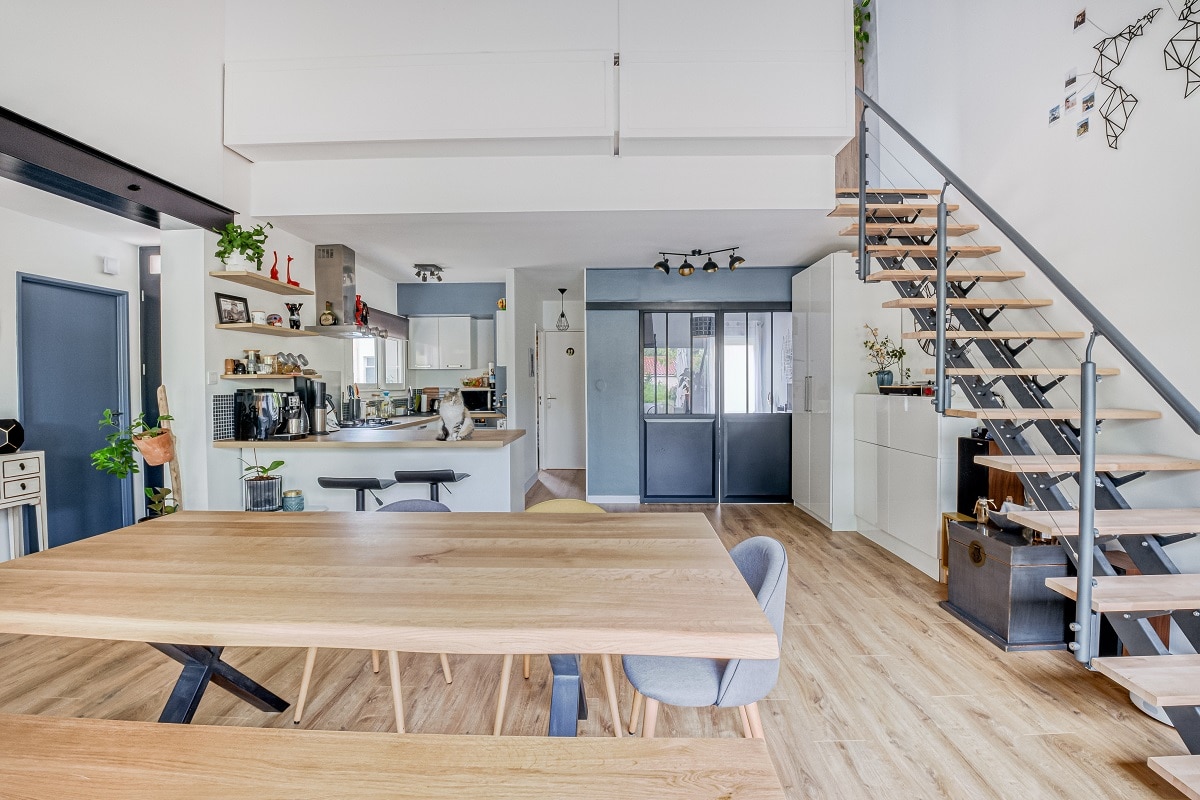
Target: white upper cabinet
{"x": 442, "y": 343}
{"x": 404, "y": 78}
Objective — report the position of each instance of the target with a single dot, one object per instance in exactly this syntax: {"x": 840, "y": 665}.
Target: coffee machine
{"x": 313, "y": 394}
{"x": 258, "y": 414}
{"x": 294, "y": 423}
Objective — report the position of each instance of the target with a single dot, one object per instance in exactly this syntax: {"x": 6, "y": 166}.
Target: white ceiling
{"x": 481, "y": 246}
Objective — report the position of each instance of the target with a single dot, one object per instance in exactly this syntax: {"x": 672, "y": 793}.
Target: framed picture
{"x": 232, "y": 309}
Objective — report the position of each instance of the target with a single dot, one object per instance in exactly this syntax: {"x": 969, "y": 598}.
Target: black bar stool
{"x": 360, "y": 486}
{"x": 434, "y": 477}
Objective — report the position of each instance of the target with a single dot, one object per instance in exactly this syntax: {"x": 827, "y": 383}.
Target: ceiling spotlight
{"x": 686, "y": 268}
{"x": 427, "y": 271}
{"x": 735, "y": 261}
{"x": 663, "y": 266}
{"x": 710, "y": 265}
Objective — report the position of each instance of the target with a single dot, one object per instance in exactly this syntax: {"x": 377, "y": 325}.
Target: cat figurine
{"x": 456, "y": 422}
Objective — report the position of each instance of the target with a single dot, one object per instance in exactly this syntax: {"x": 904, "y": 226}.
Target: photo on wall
{"x": 1089, "y": 102}
{"x": 1055, "y": 114}
{"x": 1071, "y": 103}
{"x": 1080, "y": 18}
{"x": 1083, "y": 128}
{"x": 1072, "y": 76}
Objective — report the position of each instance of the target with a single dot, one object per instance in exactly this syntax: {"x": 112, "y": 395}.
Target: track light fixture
{"x": 427, "y": 271}
{"x": 710, "y": 266}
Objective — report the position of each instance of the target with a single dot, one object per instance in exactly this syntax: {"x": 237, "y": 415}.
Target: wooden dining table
{"x": 462, "y": 583}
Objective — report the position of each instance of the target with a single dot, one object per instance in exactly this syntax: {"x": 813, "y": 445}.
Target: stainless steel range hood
{"x": 336, "y": 284}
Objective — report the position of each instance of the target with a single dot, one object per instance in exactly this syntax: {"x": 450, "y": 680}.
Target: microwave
{"x": 478, "y": 399}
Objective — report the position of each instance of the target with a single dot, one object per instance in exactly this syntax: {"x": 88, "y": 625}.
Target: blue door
{"x": 73, "y": 362}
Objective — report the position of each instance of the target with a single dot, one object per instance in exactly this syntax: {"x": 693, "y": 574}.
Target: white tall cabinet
{"x": 827, "y": 369}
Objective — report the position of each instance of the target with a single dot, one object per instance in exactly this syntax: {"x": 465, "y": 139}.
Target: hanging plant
{"x": 861, "y": 36}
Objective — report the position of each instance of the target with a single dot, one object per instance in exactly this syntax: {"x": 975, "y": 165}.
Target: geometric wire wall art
{"x": 1117, "y": 108}
{"x": 1183, "y": 51}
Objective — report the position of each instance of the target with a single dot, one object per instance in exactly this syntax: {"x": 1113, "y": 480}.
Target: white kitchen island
{"x": 494, "y": 484}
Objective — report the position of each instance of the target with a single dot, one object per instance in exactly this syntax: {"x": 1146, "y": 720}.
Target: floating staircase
{"x": 1041, "y": 443}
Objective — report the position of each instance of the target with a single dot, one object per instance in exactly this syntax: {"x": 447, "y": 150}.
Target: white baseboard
{"x": 615, "y": 499}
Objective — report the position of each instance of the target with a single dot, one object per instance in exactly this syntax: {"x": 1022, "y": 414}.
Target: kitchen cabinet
{"x": 905, "y": 475}
{"x": 826, "y": 362}
{"x": 442, "y": 343}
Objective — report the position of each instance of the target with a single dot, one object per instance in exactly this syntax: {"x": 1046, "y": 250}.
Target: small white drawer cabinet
{"x": 23, "y": 483}
{"x": 905, "y": 474}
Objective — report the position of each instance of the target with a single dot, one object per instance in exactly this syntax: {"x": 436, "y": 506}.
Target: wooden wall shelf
{"x": 269, "y": 330}
{"x": 259, "y": 281}
{"x": 272, "y": 377}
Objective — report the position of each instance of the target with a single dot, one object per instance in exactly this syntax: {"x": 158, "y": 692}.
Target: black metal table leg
{"x": 568, "y": 703}
{"x": 201, "y": 666}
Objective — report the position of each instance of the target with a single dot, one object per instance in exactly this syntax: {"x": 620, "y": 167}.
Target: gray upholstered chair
{"x": 393, "y": 657}
{"x": 701, "y": 682}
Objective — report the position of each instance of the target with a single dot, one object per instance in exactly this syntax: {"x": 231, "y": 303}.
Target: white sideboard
{"x": 905, "y": 474}
{"x": 23, "y": 483}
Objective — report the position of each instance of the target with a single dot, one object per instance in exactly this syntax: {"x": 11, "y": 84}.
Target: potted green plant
{"x": 264, "y": 491}
{"x": 239, "y": 246}
{"x": 154, "y": 443}
{"x": 159, "y": 502}
{"x": 861, "y": 35}
{"x": 884, "y": 353}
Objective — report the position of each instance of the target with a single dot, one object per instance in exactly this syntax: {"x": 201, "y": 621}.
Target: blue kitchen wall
{"x": 448, "y": 299}
{"x": 614, "y": 349}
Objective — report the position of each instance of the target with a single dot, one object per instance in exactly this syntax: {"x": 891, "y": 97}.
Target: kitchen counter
{"x": 390, "y": 436}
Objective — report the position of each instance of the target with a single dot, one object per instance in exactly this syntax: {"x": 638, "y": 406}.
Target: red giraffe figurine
{"x": 275, "y": 266}
{"x": 290, "y": 282}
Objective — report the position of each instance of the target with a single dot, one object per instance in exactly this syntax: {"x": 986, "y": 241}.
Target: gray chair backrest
{"x": 763, "y": 563}
{"x": 417, "y": 504}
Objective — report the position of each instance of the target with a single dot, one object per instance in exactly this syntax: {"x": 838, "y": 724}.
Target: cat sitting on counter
{"x": 456, "y": 422}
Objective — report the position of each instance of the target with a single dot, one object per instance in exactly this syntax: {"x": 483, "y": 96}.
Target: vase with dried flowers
{"x": 884, "y": 353}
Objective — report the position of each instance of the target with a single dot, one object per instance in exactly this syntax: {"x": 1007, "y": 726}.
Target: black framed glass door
{"x": 716, "y": 407}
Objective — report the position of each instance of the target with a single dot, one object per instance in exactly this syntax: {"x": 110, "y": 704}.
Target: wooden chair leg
{"x": 393, "y": 659}
{"x": 375, "y": 661}
{"x": 525, "y": 669}
{"x": 502, "y": 698}
{"x": 610, "y": 686}
{"x": 310, "y": 658}
{"x": 651, "y": 720}
{"x": 755, "y": 721}
{"x": 633, "y": 714}
{"x": 446, "y": 669}
{"x": 745, "y": 723}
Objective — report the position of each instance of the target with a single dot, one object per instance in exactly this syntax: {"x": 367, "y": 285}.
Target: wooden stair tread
{"x": 890, "y": 210}
{"x": 969, "y": 302}
{"x": 1172, "y": 680}
{"x": 1021, "y": 371}
{"x": 983, "y": 276}
{"x": 1117, "y": 593}
{"x": 915, "y": 229}
{"x": 853, "y": 191}
{"x": 995, "y": 335}
{"x": 1105, "y": 463}
{"x": 1054, "y": 414}
{"x": 45, "y": 757}
{"x": 929, "y": 251}
{"x": 1114, "y": 522}
{"x": 1182, "y": 772}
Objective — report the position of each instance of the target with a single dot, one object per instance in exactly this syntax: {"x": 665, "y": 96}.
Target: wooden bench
{"x": 49, "y": 757}
{"x": 1182, "y": 772}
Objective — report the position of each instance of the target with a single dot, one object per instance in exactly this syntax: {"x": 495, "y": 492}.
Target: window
{"x": 678, "y": 374}
{"x": 378, "y": 362}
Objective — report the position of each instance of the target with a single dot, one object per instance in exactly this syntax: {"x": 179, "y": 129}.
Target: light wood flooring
{"x": 881, "y": 694}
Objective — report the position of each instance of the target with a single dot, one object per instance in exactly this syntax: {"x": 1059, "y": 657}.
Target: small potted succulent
{"x": 154, "y": 443}
{"x": 238, "y": 247}
{"x": 264, "y": 491}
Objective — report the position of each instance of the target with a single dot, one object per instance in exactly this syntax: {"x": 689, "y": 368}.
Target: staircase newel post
{"x": 941, "y": 394}
{"x": 864, "y": 262}
{"x": 1084, "y": 626}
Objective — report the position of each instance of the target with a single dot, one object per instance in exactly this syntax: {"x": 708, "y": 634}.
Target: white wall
{"x": 138, "y": 79}
{"x": 39, "y": 247}
{"x": 1110, "y": 220}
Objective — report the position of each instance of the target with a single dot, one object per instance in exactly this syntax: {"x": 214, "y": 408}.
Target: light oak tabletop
{"x": 653, "y": 584}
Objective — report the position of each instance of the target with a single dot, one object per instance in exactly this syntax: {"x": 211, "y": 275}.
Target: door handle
{"x": 808, "y": 393}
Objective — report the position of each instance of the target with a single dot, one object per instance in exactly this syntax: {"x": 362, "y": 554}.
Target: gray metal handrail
{"x": 1101, "y": 324}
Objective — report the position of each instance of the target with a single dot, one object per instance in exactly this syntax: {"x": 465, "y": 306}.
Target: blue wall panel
{"x": 448, "y": 299}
